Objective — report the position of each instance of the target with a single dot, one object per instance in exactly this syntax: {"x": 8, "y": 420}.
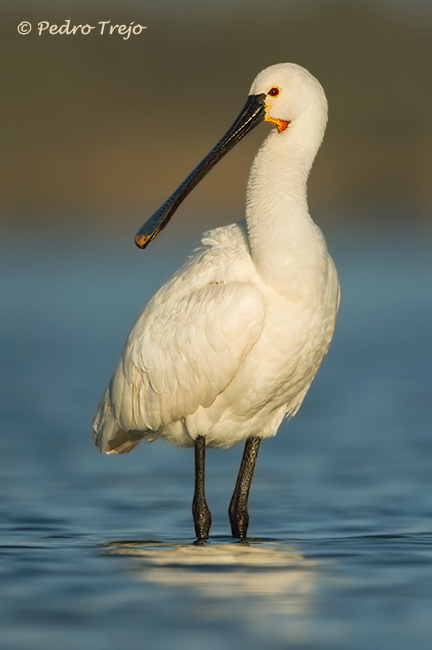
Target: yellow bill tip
{"x": 142, "y": 240}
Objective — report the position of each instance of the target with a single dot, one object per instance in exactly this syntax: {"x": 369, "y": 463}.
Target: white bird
{"x": 229, "y": 346}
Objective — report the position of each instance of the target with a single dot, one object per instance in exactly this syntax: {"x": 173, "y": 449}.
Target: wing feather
{"x": 181, "y": 354}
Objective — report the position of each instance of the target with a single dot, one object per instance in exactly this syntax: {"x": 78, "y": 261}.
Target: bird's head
{"x": 288, "y": 91}
{"x": 280, "y": 95}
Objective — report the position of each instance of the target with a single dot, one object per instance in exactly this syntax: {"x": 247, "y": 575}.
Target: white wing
{"x": 183, "y": 351}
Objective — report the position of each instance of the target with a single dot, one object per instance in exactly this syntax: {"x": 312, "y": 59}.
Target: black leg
{"x": 201, "y": 513}
{"x": 238, "y": 507}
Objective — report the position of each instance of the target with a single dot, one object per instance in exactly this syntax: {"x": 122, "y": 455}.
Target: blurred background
{"x": 95, "y": 133}
{"x": 100, "y": 128}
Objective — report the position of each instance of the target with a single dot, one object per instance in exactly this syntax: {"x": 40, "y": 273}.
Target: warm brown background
{"x": 98, "y": 128}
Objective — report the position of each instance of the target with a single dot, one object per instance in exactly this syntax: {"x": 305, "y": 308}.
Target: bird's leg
{"x": 201, "y": 513}
{"x": 238, "y": 513}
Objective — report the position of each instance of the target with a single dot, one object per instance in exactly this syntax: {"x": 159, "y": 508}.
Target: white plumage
{"x": 229, "y": 346}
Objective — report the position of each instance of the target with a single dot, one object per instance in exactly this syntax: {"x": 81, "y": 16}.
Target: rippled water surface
{"x": 97, "y": 551}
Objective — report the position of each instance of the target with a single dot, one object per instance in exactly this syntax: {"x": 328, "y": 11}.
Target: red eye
{"x": 274, "y": 92}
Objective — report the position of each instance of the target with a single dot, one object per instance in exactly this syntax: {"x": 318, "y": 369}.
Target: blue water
{"x": 96, "y": 551}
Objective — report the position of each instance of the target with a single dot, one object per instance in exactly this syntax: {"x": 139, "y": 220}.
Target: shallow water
{"x": 97, "y": 551}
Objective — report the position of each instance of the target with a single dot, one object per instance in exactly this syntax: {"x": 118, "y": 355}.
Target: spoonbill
{"x": 229, "y": 346}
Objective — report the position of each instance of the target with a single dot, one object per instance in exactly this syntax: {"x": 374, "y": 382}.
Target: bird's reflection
{"x": 276, "y": 572}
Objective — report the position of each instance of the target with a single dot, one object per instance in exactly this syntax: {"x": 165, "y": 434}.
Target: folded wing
{"x": 182, "y": 353}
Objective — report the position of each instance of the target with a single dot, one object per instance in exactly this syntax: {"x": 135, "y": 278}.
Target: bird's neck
{"x": 286, "y": 245}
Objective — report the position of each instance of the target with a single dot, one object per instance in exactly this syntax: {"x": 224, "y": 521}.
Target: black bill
{"x": 252, "y": 114}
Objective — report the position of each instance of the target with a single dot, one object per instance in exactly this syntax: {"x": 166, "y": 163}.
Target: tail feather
{"x": 109, "y": 437}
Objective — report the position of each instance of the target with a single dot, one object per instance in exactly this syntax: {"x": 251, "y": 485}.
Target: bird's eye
{"x": 274, "y": 92}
